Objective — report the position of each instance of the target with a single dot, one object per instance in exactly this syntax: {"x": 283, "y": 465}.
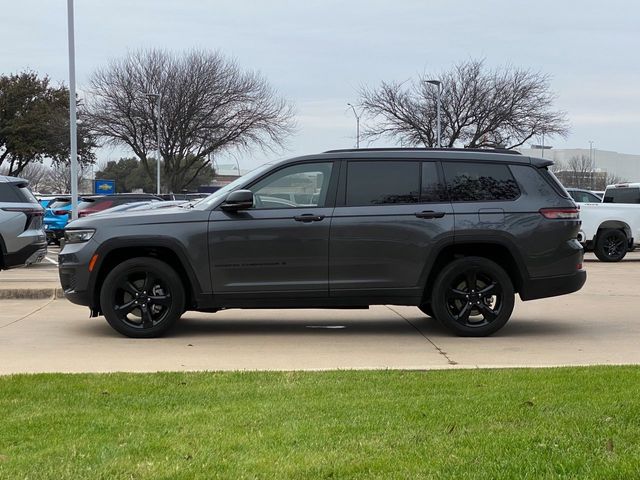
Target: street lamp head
{"x": 434, "y": 82}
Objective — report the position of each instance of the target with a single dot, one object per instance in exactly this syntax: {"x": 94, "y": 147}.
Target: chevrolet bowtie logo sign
{"x": 104, "y": 187}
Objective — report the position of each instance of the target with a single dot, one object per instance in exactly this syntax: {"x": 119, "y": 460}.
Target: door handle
{"x": 430, "y": 214}
{"x": 308, "y": 217}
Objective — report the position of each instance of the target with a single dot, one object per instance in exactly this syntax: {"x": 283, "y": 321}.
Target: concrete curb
{"x": 31, "y": 293}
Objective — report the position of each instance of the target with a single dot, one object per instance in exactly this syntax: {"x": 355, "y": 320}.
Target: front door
{"x": 279, "y": 247}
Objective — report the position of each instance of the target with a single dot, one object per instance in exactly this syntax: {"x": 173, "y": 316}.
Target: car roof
{"x": 624, "y": 185}
{"x": 8, "y": 179}
{"x": 449, "y": 154}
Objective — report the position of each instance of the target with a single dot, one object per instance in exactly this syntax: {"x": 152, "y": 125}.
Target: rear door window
{"x": 382, "y": 183}
{"x": 479, "y": 182}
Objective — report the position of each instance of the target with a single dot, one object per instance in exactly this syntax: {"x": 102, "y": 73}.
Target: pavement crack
{"x": 29, "y": 314}
{"x": 449, "y": 360}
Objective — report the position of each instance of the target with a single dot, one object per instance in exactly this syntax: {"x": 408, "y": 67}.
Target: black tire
{"x": 142, "y": 297}
{"x": 611, "y": 245}
{"x": 427, "y": 310}
{"x": 473, "y": 297}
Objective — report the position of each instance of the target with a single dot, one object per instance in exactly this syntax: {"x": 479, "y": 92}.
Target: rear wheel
{"x": 473, "y": 297}
{"x": 142, "y": 297}
{"x": 611, "y": 245}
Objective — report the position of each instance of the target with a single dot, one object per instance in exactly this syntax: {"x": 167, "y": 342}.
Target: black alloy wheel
{"x": 142, "y": 297}
{"x": 611, "y": 245}
{"x": 473, "y": 297}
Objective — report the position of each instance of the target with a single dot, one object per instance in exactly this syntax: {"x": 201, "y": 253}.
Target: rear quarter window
{"x": 622, "y": 195}
{"x": 7, "y": 193}
{"x": 479, "y": 182}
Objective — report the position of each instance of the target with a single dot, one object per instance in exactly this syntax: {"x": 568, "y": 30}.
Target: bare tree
{"x": 611, "y": 179}
{"x": 480, "y": 108}
{"x": 58, "y": 179}
{"x": 37, "y": 174}
{"x": 208, "y": 105}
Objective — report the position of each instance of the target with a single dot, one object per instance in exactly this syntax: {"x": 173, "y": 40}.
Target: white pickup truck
{"x": 611, "y": 229}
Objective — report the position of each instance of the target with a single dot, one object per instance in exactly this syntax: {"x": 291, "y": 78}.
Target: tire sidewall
{"x": 157, "y": 267}
{"x": 456, "y": 268}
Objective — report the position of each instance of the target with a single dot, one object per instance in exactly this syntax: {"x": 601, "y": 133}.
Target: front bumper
{"x": 73, "y": 270}
{"x": 544, "y": 287}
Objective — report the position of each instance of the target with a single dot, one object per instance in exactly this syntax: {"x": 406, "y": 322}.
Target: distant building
{"x": 624, "y": 165}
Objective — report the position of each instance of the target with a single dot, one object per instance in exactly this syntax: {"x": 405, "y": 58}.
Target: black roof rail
{"x": 425, "y": 149}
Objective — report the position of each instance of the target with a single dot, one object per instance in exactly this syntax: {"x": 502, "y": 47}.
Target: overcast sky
{"x": 317, "y": 53}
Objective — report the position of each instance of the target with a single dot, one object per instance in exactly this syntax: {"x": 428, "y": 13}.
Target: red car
{"x": 95, "y": 204}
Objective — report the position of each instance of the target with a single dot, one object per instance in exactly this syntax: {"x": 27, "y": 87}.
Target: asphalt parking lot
{"x": 597, "y": 325}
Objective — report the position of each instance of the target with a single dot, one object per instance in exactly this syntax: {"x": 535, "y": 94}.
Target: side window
{"x": 382, "y": 183}
{"x": 431, "y": 189}
{"x": 477, "y": 182}
{"x": 297, "y": 186}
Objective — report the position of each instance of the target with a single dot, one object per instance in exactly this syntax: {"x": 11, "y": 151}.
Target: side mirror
{"x": 238, "y": 200}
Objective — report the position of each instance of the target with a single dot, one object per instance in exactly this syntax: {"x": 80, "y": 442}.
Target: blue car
{"x": 56, "y": 216}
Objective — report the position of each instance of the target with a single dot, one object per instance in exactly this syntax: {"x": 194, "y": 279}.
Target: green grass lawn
{"x": 548, "y": 423}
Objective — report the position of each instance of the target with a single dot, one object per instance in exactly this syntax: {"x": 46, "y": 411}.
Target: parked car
{"x": 57, "y": 213}
{"x": 455, "y": 232}
{"x": 22, "y": 237}
{"x": 98, "y": 203}
{"x": 580, "y": 195}
{"x": 622, "y": 193}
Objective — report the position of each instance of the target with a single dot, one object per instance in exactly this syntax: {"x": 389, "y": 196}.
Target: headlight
{"x": 78, "y": 236}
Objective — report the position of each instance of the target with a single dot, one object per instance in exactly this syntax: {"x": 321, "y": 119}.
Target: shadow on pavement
{"x": 98, "y": 327}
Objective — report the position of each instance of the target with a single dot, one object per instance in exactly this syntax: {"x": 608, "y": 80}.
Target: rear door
{"x": 389, "y": 218}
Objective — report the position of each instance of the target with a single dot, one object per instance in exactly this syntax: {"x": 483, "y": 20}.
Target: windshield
{"x": 212, "y": 199}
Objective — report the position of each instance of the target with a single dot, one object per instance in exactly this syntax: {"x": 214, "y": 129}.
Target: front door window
{"x": 297, "y": 186}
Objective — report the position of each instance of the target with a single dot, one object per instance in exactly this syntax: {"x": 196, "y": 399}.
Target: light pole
{"x": 592, "y": 161}
{"x": 73, "y": 127}
{"x": 438, "y": 84}
{"x": 357, "y": 125}
{"x": 157, "y": 99}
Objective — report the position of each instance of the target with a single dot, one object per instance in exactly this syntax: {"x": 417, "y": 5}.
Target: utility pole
{"x": 157, "y": 99}
{"x": 73, "y": 126}
{"x": 357, "y": 125}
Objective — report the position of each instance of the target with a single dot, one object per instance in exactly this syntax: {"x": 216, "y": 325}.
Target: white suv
{"x": 22, "y": 237}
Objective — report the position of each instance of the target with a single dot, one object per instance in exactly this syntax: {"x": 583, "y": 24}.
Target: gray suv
{"x": 22, "y": 237}
{"x": 454, "y": 232}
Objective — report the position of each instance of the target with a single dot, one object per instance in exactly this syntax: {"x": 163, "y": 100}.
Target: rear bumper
{"x": 33, "y": 253}
{"x": 553, "y": 286}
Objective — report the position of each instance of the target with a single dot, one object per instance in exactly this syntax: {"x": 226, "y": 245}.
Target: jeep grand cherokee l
{"x": 454, "y": 232}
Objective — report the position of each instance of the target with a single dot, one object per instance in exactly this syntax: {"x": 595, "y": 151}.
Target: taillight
{"x": 34, "y": 216}
{"x": 60, "y": 212}
{"x": 561, "y": 213}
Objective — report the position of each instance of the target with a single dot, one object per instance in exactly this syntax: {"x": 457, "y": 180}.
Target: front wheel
{"x": 142, "y": 297}
{"x": 473, "y": 297}
{"x": 611, "y": 245}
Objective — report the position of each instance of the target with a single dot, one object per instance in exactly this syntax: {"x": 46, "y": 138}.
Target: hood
{"x": 141, "y": 217}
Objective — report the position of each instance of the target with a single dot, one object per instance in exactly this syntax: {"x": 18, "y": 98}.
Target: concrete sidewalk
{"x": 38, "y": 281}
{"x": 595, "y": 326}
